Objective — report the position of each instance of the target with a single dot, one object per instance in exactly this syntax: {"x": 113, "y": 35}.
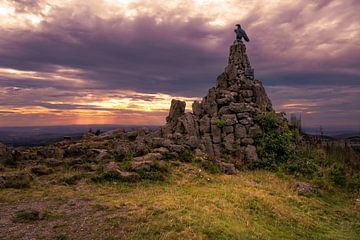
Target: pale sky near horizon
{"x": 121, "y": 62}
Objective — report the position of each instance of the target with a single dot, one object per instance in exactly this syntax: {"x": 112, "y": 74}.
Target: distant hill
{"x": 335, "y": 133}
{"x": 42, "y": 135}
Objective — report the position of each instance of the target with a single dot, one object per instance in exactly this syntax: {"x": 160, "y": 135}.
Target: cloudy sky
{"x": 122, "y": 61}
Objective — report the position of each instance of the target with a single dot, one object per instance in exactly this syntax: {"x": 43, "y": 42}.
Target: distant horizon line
{"x": 95, "y": 124}
{"x": 311, "y": 127}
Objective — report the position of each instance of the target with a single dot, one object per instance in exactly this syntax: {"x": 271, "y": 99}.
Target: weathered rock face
{"x": 223, "y": 122}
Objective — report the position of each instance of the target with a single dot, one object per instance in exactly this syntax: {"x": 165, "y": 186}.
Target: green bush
{"x": 304, "y": 161}
{"x": 274, "y": 146}
{"x": 267, "y": 121}
{"x": 282, "y": 147}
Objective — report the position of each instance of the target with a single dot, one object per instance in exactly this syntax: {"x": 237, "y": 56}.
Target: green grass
{"x": 193, "y": 204}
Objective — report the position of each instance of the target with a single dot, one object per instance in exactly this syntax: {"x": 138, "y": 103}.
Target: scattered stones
{"x": 54, "y": 163}
{"x": 160, "y": 150}
{"x": 227, "y": 168}
{"x": 74, "y": 150}
{"x": 55, "y": 152}
{"x": 41, "y": 170}
{"x": 142, "y": 165}
{"x": 113, "y": 171}
{"x": 102, "y": 154}
{"x": 303, "y": 188}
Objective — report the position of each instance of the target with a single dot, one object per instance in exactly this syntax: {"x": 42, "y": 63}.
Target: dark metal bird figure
{"x": 240, "y": 33}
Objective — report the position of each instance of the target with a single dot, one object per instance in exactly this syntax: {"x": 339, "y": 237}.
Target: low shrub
{"x": 282, "y": 148}
{"x": 337, "y": 174}
{"x": 274, "y": 145}
{"x": 186, "y": 156}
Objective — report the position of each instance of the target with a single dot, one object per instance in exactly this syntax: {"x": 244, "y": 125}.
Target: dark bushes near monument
{"x": 274, "y": 145}
{"x": 279, "y": 150}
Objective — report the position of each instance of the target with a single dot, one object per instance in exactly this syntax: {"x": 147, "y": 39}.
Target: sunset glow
{"x": 117, "y": 61}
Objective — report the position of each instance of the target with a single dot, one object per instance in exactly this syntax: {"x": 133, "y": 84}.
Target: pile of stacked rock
{"x": 223, "y": 122}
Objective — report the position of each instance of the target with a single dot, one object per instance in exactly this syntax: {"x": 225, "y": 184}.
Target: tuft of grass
{"x": 210, "y": 166}
{"x": 220, "y": 123}
{"x": 27, "y": 216}
{"x": 121, "y": 157}
{"x": 186, "y": 156}
{"x": 74, "y": 179}
{"x": 61, "y": 237}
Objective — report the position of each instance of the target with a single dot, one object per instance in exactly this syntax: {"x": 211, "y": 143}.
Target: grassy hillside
{"x": 190, "y": 204}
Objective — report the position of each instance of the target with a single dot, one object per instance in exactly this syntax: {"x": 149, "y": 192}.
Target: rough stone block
{"x": 197, "y": 108}
{"x": 240, "y": 131}
{"x": 224, "y": 110}
{"x": 217, "y": 150}
{"x": 246, "y": 93}
{"x": 229, "y": 142}
{"x": 247, "y": 141}
{"x": 177, "y": 109}
{"x": 207, "y": 141}
{"x": 230, "y": 119}
{"x": 228, "y": 129}
{"x": 204, "y": 124}
{"x": 216, "y": 134}
{"x": 255, "y": 131}
{"x": 250, "y": 153}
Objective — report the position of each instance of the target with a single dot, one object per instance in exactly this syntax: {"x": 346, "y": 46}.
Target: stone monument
{"x": 223, "y": 123}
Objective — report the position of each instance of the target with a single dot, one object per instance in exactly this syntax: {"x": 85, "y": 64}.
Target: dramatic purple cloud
{"x": 82, "y": 55}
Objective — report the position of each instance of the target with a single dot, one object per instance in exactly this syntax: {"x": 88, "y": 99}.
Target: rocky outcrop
{"x": 223, "y": 123}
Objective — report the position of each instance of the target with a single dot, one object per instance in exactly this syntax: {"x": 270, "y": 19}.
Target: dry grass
{"x": 192, "y": 204}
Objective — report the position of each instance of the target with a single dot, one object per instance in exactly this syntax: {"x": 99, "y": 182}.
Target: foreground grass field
{"x": 191, "y": 204}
